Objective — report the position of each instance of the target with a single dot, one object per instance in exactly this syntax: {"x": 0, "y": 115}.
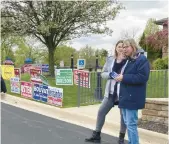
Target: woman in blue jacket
{"x": 132, "y": 88}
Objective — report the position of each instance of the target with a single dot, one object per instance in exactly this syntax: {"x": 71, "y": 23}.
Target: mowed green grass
{"x": 157, "y": 87}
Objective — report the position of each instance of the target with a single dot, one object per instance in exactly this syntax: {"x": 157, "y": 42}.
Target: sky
{"x": 133, "y": 18}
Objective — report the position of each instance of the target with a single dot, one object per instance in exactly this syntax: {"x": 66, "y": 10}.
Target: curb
{"x": 63, "y": 114}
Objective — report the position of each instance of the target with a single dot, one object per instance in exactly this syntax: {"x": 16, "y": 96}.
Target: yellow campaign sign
{"x": 7, "y": 71}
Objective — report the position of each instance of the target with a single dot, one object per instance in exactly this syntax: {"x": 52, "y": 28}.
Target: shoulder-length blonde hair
{"x": 133, "y": 44}
{"x": 115, "y": 51}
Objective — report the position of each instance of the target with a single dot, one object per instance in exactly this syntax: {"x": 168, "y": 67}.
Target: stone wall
{"x": 156, "y": 110}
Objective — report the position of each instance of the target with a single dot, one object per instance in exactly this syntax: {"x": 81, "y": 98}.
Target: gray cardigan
{"x": 107, "y": 68}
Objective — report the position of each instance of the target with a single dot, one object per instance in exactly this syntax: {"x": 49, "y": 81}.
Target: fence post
{"x": 78, "y": 91}
{"x": 165, "y": 83}
{"x": 98, "y": 90}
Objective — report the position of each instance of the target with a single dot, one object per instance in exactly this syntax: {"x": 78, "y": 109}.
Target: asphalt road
{"x": 19, "y": 126}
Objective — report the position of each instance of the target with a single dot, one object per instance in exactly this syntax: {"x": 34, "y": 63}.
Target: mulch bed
{"x": 153, "y": 126}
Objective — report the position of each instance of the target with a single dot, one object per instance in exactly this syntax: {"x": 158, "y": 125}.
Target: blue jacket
{"x": 132, "y": 93}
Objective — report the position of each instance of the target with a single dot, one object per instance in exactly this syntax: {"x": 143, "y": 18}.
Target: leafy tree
{"x": 159, "y": 40}
{"x": 150, "y": 29}
{"x": 7, "y": 44}
{"x": 64, "y": 53}
{"x": 53, "y": 22}
{"x": 88, "y": 53}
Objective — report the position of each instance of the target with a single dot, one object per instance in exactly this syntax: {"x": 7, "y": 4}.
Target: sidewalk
{"x": 91, "y": 111}
{"x": 86, "y": 117}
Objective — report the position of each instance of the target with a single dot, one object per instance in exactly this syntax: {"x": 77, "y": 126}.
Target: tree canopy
{"x": 53, "y": 22}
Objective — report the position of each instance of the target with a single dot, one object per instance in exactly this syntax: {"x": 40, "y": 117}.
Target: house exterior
{"x": 163, "y": 22}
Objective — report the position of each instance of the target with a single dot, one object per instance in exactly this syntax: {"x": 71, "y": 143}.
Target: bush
{"x": 159, "y": 64}
{"x": 165, "y": 59}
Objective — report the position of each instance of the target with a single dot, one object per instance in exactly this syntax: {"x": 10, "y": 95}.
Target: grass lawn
{"x": 156, "y": 88}
{"x": 69, "y": 92}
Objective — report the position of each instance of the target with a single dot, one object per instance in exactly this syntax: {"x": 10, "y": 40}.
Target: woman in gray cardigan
{"x": 113, "y": 64}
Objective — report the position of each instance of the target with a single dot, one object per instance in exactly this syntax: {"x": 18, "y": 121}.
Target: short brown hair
{"x": 115, "y": 51}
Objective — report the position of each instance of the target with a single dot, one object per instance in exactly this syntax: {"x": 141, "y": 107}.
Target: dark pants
{"x": 3, "y": 85}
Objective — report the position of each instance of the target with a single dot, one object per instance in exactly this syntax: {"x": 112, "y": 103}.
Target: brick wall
{"x": 156, "y": 110}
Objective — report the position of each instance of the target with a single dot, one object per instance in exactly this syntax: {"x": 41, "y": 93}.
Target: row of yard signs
{"x": 38, "y": 92}
{"x": 37, "y": 89}
{"x": 26, "y": 67}
{"x": 8, "y": 71}
{"x": 66, "y": 77}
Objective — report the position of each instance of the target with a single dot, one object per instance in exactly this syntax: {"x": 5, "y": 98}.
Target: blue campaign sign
{"x": 45, "y": 68}
{"x": 81, "y": 63}
{"x": 40, "y": 92}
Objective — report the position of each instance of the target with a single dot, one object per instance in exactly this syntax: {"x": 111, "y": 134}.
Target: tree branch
{"x": 40, "y": 38}
{"x": 34, "y": 12}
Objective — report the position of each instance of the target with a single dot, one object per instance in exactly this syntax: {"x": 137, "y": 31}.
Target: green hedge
{"x": 159, "y": 64}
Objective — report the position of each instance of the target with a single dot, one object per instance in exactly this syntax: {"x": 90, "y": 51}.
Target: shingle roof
{"x": 161, "y": 21}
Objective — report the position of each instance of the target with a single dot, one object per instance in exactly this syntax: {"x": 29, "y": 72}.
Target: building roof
{"x": 161, "y": 21}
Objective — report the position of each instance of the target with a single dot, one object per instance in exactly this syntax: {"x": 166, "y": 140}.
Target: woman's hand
{"x": 119, "y": 78}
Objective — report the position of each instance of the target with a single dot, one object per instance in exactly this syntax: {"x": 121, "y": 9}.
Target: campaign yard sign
{"x": 45, "y": 68}
{"x": 7, "y": 71}
{"x": 15, "y": 85}
{"x": 55, "y": 96}
{"x": 26, "y": 89}
{"x": 17, "y": 72}
{"x": 64, "y": 76}
{"x": 40, "y": 92}
{"x": 35, "y": 76}
{"x": 84, "y": 78}
{"x": 35, "y": 73}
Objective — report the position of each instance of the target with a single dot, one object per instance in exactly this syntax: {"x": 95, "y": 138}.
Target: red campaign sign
{"x": 50, "y": 99}
{"x": 35, "y": 76}
{"x": 35, "y": 73}
{"x": 54, "y": 101}
{"x": 57, "y": 101}
{"x": 36, "y": 81}
{"x": 17, "y": 72}
{"x": 26, "y": 67}
{"x": 26, "y": 89}
{"x": 84, "y": 78}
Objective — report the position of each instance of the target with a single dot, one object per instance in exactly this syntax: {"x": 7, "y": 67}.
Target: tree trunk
{"x": 51, "y": 61}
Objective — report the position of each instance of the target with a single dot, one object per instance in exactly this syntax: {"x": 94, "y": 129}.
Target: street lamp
{"x": 96, "y": 63}
{"x": 98, "y": 90}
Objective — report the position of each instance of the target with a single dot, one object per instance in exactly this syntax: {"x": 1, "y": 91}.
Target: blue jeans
{"x": 131, "y": 118}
